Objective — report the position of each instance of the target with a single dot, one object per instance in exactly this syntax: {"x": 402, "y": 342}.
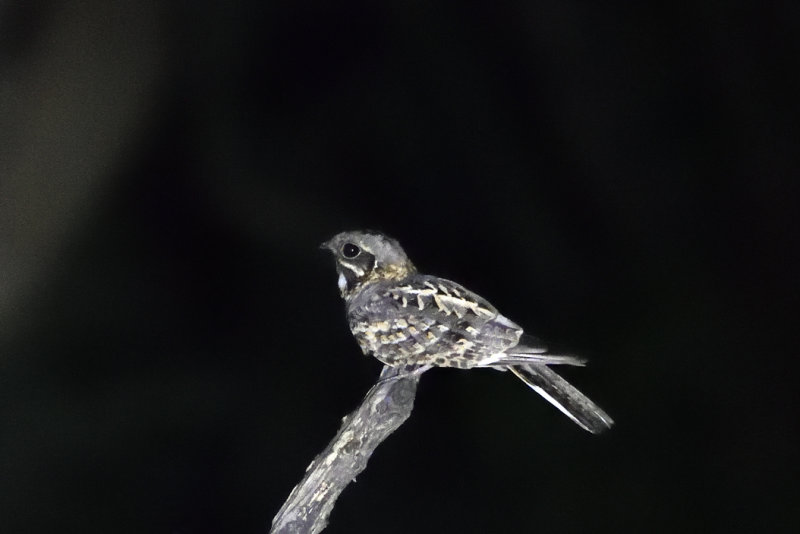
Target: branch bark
{"x": 386, "y": 406}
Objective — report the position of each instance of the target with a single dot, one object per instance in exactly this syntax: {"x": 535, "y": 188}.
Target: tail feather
{"x": 563, "y": 396}
{"x": 524, "y": 358}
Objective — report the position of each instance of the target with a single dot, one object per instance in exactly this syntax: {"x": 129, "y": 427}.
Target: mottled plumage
{"x": 410, "y": 320}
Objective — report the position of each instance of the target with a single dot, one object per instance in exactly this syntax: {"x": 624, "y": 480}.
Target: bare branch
{"x": 386, "y": 406}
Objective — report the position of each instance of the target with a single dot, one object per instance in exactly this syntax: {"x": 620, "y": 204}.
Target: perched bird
{"x": 416, "y": 321}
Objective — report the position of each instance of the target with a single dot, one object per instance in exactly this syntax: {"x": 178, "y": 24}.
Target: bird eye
{"x": 349, "y": 250}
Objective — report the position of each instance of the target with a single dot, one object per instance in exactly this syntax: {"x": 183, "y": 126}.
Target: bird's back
{"x": 425, "y": 320}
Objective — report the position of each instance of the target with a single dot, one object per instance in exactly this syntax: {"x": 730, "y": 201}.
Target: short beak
{"x": 326, "y": 246}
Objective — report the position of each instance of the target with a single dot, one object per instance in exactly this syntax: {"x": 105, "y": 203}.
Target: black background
{"x": 619, "y": 180}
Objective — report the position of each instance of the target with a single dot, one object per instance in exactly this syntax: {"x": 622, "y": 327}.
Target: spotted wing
{"x": 439, "y": 322}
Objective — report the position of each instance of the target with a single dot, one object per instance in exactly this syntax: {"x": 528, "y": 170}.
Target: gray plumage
{"x": 415, "y": 321}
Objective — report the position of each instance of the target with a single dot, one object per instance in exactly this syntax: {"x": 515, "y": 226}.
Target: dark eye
{"x": 349, "y": 250}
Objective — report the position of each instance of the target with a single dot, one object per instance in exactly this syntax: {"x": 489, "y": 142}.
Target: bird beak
{"x": 326, "y": 246}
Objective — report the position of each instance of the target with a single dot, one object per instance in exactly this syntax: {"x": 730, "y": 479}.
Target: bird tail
{"x": 532, "y": 358}
{"x": 563, "y": 396}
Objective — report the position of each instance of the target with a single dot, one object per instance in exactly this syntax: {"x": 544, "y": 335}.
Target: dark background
{"x": 620, "y": 180}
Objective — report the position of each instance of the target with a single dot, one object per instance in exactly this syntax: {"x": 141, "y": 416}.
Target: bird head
{"x": 364, "y": 257}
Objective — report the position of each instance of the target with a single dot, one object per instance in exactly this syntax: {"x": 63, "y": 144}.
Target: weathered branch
{"x": 386, "y": 406}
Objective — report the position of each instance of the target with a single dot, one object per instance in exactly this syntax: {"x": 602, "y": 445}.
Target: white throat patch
{"x": 342, "y": 282}
{"x": 357, "y": 270}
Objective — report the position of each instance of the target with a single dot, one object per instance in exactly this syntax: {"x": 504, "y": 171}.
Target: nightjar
{"x": 414, "y": 321}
